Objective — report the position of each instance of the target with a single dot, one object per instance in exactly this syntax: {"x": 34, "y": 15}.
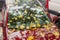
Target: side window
{"x": 1, "y": 5}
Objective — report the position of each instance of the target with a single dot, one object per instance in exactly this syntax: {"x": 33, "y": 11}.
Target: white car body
{"x": 54, "y": 5}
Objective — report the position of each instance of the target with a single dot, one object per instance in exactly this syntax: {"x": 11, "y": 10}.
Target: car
{"x": 54, "y": 7}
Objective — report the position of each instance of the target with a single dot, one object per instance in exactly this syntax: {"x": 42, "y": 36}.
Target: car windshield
{"x": 27, "y": 13}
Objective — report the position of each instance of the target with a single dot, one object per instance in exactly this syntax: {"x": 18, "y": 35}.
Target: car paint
{"x": 54, "y": 5}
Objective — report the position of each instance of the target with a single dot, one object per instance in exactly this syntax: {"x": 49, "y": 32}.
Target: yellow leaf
{"x": 25, "y": 11}
{"x": 45, "y": 26}
{"x": 34, "y": 18}
{"x": 28, "y": 17}
{"x": 38, "y": 25}
{"x": 20, "y": 16}
{"x": 30, "y": 38}
{"x": 16, "y": 26}
{"x": 34, "y": 28}
{"x": 15, "y": 18}
{"x": 10, "y": 20}
{"x": 32, "y": 25}
{"x": 30, "y": 14}
{"x": 36, "y": 15}
{"x": 22, "y": 26}
{"x": 56, "y": 33}
{"x": 23, "y": 18}
{"x": 36, "y": 21}
{"x": 27, "y": 27}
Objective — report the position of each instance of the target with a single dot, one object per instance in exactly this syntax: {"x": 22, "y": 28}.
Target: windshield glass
{"x": 26, "y": 14}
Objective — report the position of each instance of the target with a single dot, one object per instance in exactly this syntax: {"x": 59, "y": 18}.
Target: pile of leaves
{"x": 28, "y": 15}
